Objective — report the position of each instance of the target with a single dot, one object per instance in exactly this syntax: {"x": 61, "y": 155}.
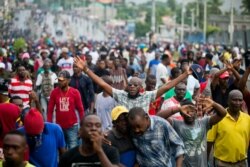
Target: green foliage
{"x": 246, "y": 7}
{"x": 141, "y": 29}
{"x": 19, "y": 43}
{"x": 171, "y": 4}
{"x": 213, "y": 6}
{"x": 212, "y": 29}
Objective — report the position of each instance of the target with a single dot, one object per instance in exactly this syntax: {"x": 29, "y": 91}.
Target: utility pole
{"x": 197, "y": 14}
{"x": 205, "y": 21}
{"x": 231, "y": 26}
{"x": 192, "y": 17}
{"x": 113, "y": 9}
{"x": 153, "y": 17}
{"x": 182, "y": 22}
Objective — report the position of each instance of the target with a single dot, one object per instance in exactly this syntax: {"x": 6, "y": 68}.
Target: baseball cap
{"x": 224, "y": 75}
{"x": 117, "y": 111}
{"x": 26, "y": 55}
{"x": 33, "y": 122}
{"x": 2, "y": 65}
{"x": 197, "y": 71}
{"x": 63, "y": 75}
{"x": 65, "y": 50}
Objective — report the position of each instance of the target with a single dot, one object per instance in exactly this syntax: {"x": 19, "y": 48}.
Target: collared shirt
{"x": 155, "y": 145}
{"x": 142, "y": 101}
{"x": 231, "y": 138}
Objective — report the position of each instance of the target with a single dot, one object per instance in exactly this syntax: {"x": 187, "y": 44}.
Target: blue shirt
{"x": 46, "y": 154}
{"x": 155, "y": 145}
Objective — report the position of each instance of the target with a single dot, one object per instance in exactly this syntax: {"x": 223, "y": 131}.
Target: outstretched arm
{"x": 82, "y": 65}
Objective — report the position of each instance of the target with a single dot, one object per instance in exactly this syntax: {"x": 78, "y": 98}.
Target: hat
{"x": 209, "y": 56}
{"x": 26, "y": 55}
{"x": 224, "y": 75}
{"x": 2, "y": 65}
{"x": 65, "y": 50}
{"x": 44, "y": 51}
{"x": 197, "y": 71}
{"x": 117, "y": 111}
{"x": 63, "y": 75}
{"x": 33, "y": 122}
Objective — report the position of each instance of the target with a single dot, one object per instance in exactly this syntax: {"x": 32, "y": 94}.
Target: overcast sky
{"x": 226, "y": 6}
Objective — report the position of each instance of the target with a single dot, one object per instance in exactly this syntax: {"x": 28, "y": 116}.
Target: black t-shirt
{"x": 73, "y": 158}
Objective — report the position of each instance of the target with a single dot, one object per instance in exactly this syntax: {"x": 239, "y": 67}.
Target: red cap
{"x": 224, "y": 75}
{"x": 33, "y": 122}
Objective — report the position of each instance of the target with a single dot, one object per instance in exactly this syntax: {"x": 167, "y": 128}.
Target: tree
{"x": 171, "y": 4}
{"x": 19, "y": 44}
{"x": 213, "y": 6}
{"x": 141, "y": 29}
{"x": 246, "y": 7}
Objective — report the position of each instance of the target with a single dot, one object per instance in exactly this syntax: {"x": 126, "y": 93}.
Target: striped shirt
{"x": 21, "y": 89}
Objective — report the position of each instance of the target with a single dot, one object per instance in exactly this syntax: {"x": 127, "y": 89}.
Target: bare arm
{"x": 243, "y": 80}
{"x": 171, "y": 84}
{"x": 82, "y": 65}
{"x": 220, "y": 114}
{"x": 168, "y": 113}
{"x": 179, "y": 161}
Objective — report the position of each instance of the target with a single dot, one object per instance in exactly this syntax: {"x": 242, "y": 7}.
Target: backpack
{"x": 46, "y": 85}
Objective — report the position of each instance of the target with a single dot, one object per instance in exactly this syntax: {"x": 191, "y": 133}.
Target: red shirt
{"x": 66, "y": 103}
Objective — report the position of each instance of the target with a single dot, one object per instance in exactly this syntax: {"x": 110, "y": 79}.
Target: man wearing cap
{"x": 26, "y": 63}
{"x": 45, "y": 140}
{"x": 133, "y": 97}
{"x": 119, "y": 136}
{"x": 44, "y": 53}
{"x": 66, "y": 100}
{"x": 66, "y": 62}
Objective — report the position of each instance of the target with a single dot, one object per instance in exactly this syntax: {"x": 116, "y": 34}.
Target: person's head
{"x": 131, "y": 59}
{"x": 124, "y": 62}
{"x": 26, "y": 58}
{"x": 165, "y": 59}
{"x": 47, "y": 65}
{"x": 65, "y": 52}
{"x": 2, "y": 67}
{"x": 190, "y": 55}
{"x": 107, "y": 79}
{"x": 89, "y": 59}
{"x": 90, "y": 123}
{"x": 21, "y": 72}
{"x": 63, "y": 79}
{"x": 34, "y": 125}
{"x": 110, "y": 64}
{"x": 209, "y": 58}
{"x": 14, "y": 147}
{"x": 134, "y": 86}
{"x": 223, "y": 79}
{"x": 139, "y": 120}
{"x": 20, "y": 54}
{"x": 44, "y": 54}
{"x": 191, "y": 113}
{"x": 184, "y": 64}
{"x": 18, "y": 101}
{"x": 150, "y": 82}
{"x": 180, "y": 90}
{"x": 175, "y": 72}
{"x": 101, "y": 64}
{"x": 117, "y": 62}
{"x": 235, "y": 101}
{"x": 119, "y": 116}
{"x": 77, "y": 70}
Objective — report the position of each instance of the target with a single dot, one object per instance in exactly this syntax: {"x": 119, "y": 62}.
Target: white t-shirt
{"x": 161, "y": 72}
{"x": 95, "y": 56}
{"x": 66, "y": 64}
{"x": 40, "y": 78}
{"x": 104, "y": 106}
{"x": 192, "y": 84}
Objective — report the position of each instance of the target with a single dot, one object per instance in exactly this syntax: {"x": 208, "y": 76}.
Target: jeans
{"x": 44, "y": 104}
{"x": 71, "y": 136}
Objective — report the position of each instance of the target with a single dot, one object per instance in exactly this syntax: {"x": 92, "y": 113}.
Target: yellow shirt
{"x": 27, "y": 164}
{"x": 231, "y": 138}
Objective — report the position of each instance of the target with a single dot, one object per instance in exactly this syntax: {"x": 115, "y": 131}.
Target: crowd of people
{"x": 88, "y": 104}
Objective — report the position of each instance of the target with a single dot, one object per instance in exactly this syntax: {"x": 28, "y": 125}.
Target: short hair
{"x": 136, "y": 111}
{"x": 14, "y": 98}
{"x": 85, "y": 117}
{"x": 16, "y": 132}
{"x": 107, "y": 79}
{"x": 164, "y": 57}
{"x": 175, "y": 71}
{"x": 190, "y": 52}
{"x": 150, "y": 77}
{"x": 184, "y": 61}
{"x": 186, "y": 102}
{"x": 125, "y": 59}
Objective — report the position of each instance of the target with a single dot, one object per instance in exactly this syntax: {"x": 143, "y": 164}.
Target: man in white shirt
{"x": 162, "y": 71}
{"x": 66, "y": 62}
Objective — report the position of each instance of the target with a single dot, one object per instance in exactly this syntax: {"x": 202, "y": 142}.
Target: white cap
{"x": 65, "y": 50}
{"x": 2, "y": 65}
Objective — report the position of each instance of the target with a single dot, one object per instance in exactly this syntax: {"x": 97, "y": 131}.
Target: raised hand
{"x": 207, "y": 104}
{"x": 186, "y": 109}
{"x": 80, "y": 63}
{"x": 97, "y": 139}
